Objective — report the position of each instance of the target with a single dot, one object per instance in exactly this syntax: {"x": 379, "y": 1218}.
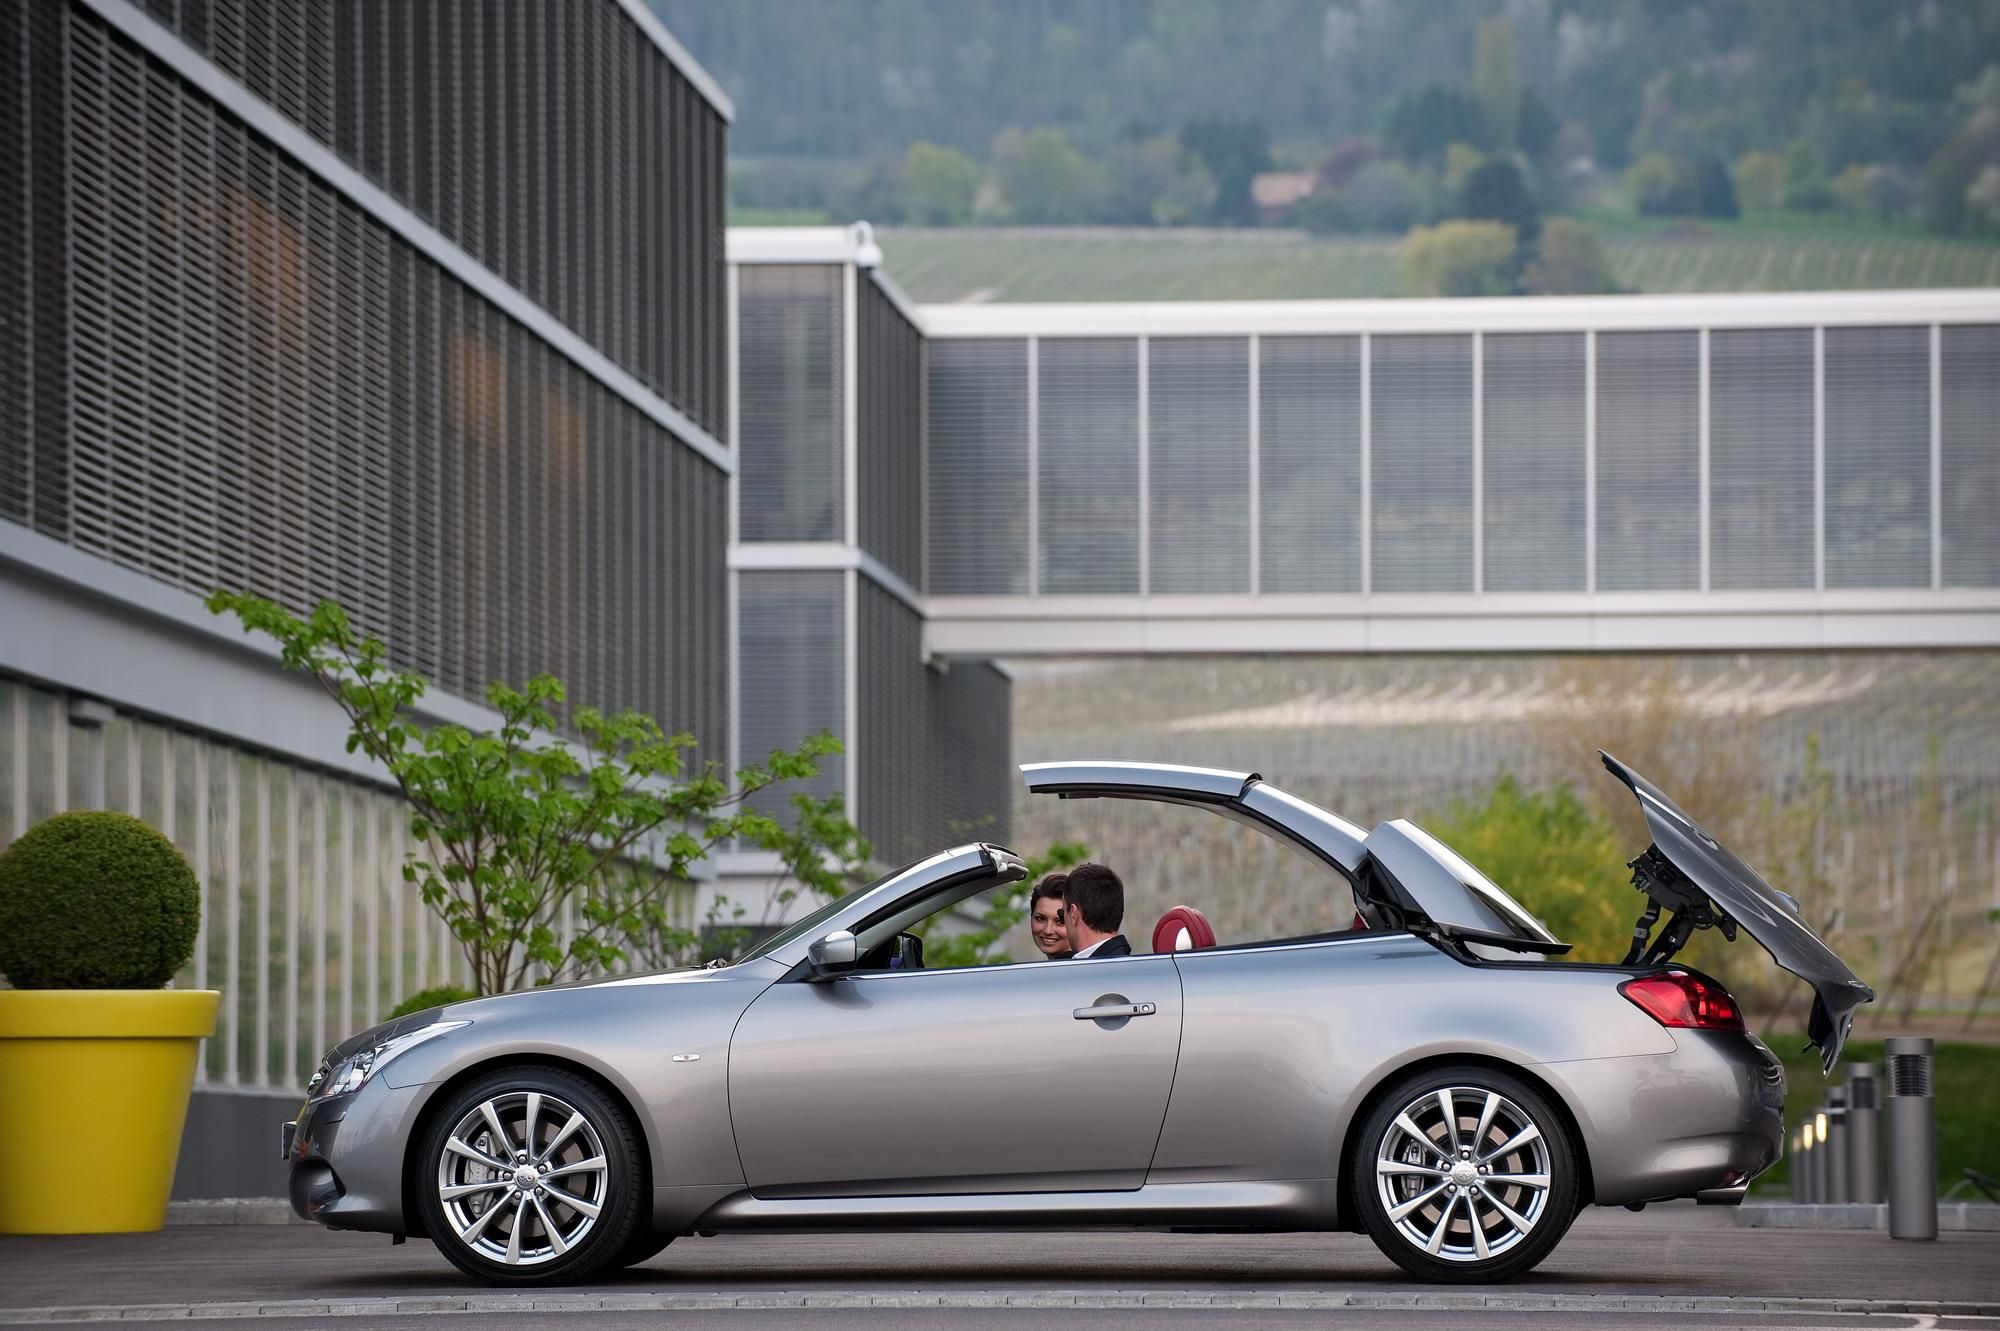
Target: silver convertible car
{"x": 1434, "y": 1075}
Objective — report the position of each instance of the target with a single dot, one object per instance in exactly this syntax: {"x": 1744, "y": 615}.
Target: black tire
{"x": 644, "y": 1245}
{"x": 1461, "y": 1223}
{"x": 518, "y": 1214}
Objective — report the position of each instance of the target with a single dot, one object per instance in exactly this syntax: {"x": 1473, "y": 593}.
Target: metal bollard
{"x": 1864, "y": 1133}
{"x": 1798, "y": 1166}
{"x": 1912, "y": 1138}
{"x": 1837, "y": 1189}
{"x": 1816, "y": 1178}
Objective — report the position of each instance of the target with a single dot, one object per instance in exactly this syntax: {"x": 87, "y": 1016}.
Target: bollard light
{"x": 1864, "y": 1133}
{"x": 1912, "y": 1138}
{"x": 1837, "y": 1189}
{"x": 1798, "y": 1164}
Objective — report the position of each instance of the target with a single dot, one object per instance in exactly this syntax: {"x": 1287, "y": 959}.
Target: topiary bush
{"x": 435, "y": 996}
{"x": 95, "y": 900}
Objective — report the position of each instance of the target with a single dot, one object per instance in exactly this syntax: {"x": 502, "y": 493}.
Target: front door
{"x": 1035, "y": 1077}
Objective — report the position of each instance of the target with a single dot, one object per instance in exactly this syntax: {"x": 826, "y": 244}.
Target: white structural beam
{"x": 1527, "y": 314}
{"x": 1554, "y": 622}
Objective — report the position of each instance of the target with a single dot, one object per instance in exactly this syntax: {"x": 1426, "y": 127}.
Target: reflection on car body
{"x": 1437, "y": 1077}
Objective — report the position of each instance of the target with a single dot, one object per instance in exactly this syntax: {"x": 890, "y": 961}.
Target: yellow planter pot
{"x": 93, "y": 1096}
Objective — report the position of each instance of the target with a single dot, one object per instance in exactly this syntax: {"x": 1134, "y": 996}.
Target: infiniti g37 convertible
{"x": 1434, "y": 1075}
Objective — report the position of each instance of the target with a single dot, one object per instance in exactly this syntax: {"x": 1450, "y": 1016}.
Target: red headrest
{"x": 1182, "y": 928}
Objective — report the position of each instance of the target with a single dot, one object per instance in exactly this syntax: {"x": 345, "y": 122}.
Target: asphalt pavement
{"x": 1671, "y": 1266}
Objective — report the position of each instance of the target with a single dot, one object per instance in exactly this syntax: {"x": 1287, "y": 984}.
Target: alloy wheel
{"x": 1463, "y": 1173}
{"x": 522, "y": 1178}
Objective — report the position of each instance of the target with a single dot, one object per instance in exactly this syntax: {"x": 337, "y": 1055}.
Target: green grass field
{"x": 1967, "y": 1086}
{"x": 1102, "y": 263}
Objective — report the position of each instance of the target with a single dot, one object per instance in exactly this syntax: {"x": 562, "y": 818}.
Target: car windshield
{"x": 804, "y": 926}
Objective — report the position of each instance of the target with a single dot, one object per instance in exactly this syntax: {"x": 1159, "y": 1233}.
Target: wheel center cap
{"x": 527, "y": 1176}
{"x": 1464, "y": 1174}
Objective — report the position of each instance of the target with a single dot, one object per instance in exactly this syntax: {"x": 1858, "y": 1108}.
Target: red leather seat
{"x": 1181, "y": 929}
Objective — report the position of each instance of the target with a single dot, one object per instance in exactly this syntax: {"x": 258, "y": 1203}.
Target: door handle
{"x": 1112, "y": 1011}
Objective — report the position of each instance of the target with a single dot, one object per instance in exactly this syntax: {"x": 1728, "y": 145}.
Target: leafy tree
{"x": 1661, "y": 186}
{"x": 1153, "y": 180}
{"x": 1557, "y": 856}
{"x": 939, "y": 185}
{"x": 1535, "y": 126}
{"x": 1569, "y": 261}
{"x": 1234, "y": 151}
{"x": 1494, "y": 81}
{"x": 1760, "y": 181}
{"x": 1324, "y": 212}
{"x": 1384, "y": 196}
{"x": 1806, "y": 188}
{"x": 1042, "y": 177}
{"x": 1714, "y": 191}
{"x": 873, "y": 191}
{"x": 1496, "y": 192}
{"x": 514, "y": 825}
{"x": 1460, "y": 259}
{"x": 1422, "y": 126}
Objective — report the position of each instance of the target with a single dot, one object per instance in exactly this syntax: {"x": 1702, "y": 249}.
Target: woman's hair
{"x": 1055, "y": 886}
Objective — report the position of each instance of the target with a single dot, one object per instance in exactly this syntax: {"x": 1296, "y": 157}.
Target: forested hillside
{"x": 1161, "y": 111}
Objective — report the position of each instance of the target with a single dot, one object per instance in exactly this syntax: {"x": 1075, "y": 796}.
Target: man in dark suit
{"x": 1094, "y": 907}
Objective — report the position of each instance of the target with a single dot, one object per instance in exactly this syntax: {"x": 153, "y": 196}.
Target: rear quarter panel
{"x": 1282, "y": 1046}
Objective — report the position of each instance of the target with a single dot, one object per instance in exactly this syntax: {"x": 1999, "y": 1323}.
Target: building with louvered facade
{"x": 421, "y": 306}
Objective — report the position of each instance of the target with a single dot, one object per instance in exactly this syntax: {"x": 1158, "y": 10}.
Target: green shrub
{"x": 95, "y": 901}
{"x": 435, "y": 996}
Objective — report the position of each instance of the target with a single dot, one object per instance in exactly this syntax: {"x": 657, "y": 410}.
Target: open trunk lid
{"x": 1701, "y": 885}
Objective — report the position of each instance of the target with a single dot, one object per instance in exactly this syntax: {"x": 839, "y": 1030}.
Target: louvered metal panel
{"x": 253, "y": 384}
{"x": 970, "y": 736}
{"x": 791, "y": 437}
{"x": 892, "y": 695}
{"x": 1648, "y": 461}
{"x": 977, "y": 437}
{"x": 889, "y": 425}
{"x": 459, "y": 107}
{"x": 17, "y": 402}
{"x": 1198, "y": 456}
{"x": 1309, "y": 472}
{"x": 792, "y": 654}
{"x": 1421, "y": 463}
{"x": 1088, "y": 447}
{"x": 1969, "y": 386}
{"x": 1532, "y": 456}
{"x": 1760, "y": 396}
{"x": 1878, "y": 457}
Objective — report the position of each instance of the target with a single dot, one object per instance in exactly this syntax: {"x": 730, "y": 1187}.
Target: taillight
{"x": 1678, "y": 998}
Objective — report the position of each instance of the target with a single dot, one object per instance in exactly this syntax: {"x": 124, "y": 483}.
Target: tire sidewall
{"x": 1557, "y": 1212}
{"x": 619, "y": 1221}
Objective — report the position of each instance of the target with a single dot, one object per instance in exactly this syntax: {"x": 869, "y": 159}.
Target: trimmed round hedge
{"x": 95, "y": 900}
{"x": 436, "y": 996}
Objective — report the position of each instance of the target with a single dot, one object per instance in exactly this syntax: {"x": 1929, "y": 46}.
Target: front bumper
{"x": 346, "y": 1158}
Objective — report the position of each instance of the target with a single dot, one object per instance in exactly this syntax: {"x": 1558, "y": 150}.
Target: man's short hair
{"x": 1054, "y": 886}
{"x": 1097, "y": 897}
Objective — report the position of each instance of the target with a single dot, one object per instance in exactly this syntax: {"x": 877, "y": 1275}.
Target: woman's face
{"x": 1046, "y": 924}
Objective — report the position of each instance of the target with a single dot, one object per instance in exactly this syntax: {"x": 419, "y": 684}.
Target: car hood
{"x": 1740, "y": 893}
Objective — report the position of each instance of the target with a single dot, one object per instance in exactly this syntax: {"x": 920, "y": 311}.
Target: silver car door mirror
{"x": 838, "y": 951}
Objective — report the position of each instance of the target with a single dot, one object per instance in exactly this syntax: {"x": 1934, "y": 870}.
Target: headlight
{"x": 351, "y": 1073}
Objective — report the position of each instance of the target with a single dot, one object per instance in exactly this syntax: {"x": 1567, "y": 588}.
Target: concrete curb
{"x": 232, "y": 1211}
{"x": 583, "y": 1302}
{"x": 1952, "y": 1216}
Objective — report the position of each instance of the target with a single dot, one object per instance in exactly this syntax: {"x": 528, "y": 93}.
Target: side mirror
{"x": 838, "y": 951}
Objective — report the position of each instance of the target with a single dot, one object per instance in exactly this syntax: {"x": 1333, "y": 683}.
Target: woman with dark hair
{"x": 1045, "y": 917}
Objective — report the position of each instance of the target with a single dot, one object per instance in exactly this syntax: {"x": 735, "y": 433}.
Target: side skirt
{"x": 1286, "y": 1204}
